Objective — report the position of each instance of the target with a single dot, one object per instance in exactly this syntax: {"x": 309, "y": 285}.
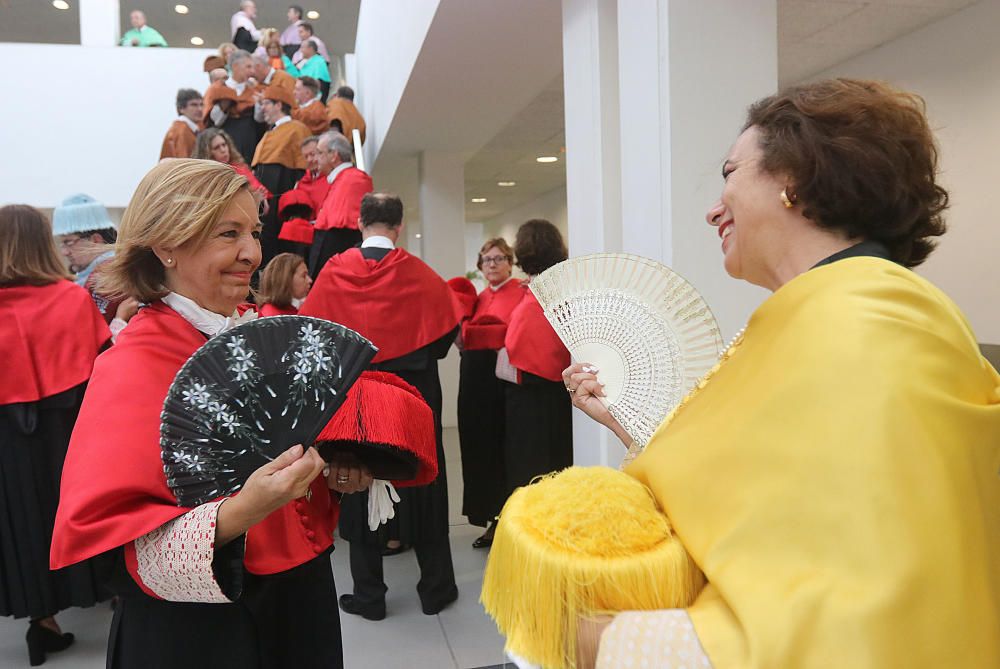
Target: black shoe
{"x": 486, "y": 540}
{"x": 436, "y": 608}
{"x": 41, "y": 640}
{"x": 349, "y": 604}
{"x": 389, "y": 552}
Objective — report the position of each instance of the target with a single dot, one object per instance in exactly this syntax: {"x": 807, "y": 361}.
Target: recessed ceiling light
{"x": 418, "y": 235}
{"x": 181, "y": 9}
{"x": 479, "y": 200}
{"x": 197, "y": 41}
{"x": 546, "y": 159}
{"x": 506, "y": 184}
{"x": 312, "y": 14}
{"x": 60, "y": 4}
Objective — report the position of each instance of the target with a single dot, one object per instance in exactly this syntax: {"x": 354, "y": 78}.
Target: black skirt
{"x": 34, "y": 437}
{"x": 422, "y": 512}
{"x": 538, "y": 436}
{"x": 288, "y": 620}
{"x": 481, "y": 415}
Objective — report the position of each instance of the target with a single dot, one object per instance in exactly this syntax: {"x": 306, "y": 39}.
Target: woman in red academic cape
{"x": 481, "y": 393}
{"x": 284, "y": 284}
{"x": 216, "y": 144}
{"x": 50, "y": 334}
{"x": 243, "y": 581}
{"x": 403, "y": 307}
{"x": 538, "y": 430}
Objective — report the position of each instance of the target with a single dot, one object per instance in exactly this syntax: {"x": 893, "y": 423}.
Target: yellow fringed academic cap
{"x": 585, "y": 541}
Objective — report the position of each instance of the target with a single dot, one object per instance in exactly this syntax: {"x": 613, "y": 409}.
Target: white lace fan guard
{"x": 646, "y": 329}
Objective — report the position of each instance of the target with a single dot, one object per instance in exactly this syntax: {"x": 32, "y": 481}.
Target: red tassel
{"x": 293, "y": 197}
{"x": 297, "y": 230}
{"x": 382, "y": 410}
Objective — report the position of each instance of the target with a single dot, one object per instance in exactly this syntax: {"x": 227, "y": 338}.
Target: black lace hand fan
{"x": 251, "y": 393}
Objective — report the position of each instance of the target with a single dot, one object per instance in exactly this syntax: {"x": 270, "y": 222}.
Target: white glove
{"x": 381, "y": 495}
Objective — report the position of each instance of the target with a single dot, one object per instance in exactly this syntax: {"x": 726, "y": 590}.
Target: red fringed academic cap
{"x": 465, "y": 293}
{"x": 296, "y": 230}
{"x": 295, "y": 197}
{"x": 387, "y": 425}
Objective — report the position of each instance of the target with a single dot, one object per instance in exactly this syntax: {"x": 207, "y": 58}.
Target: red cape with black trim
{"x": 49, "y": 338}
{"x": 399, "y": 303}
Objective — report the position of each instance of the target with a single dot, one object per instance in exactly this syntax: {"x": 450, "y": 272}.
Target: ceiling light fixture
{"x": 197, "y": 41}
{"x": 479, "y": 200}
{"x": 506, "y": 184}
{"x": 312, "y": 14}
{"x": 546, "y": 159}
{"x": 418, "y": 235}
{"x": 60, "y": 4}
{"x": 181, "y": 9}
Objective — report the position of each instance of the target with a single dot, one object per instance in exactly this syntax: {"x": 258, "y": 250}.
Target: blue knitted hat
{"x": 80, "y": 213}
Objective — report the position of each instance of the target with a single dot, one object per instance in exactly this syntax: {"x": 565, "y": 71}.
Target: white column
{"x": 442, "y": 223}
{"x": 654, "y": 97}
{"x": 100, "y": 22}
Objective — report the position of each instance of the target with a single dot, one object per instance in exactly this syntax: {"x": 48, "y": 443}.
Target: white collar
{"x": 236, "y": 86}
{"x": 281, "y": 121}
{"x": 306, "y": 104}
{"x": 501, "y": 284}
{"x": 378, "y": 242}
{"x": 191, "y": 124}
{"x": 270, "y": 75}
{"x": 297, "y": 302}
{"x": 337, "y": 170}
{"x": 202, "y": 319}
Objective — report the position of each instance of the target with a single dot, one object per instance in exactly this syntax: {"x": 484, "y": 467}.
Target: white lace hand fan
{"x": 646, "y": 329}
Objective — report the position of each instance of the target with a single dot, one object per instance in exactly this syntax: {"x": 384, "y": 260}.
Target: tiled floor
{"x": 460, "y": 637}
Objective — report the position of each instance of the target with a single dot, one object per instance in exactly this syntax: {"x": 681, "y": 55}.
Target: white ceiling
{"x": 38, "y": 21}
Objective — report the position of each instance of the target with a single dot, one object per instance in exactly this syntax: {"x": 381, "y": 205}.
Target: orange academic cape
{"x": 219, "y": 91}
{"x": 49, "y": 338}
{"x": 284, "y": 80}
{"x": 179, "y": 141}
{"x": 342, "y": 205}
{"x": 350, "y": 118}
{"x": 113, "y": 486}
{"x": 314, "y": 116}
{"x": 282, "y": 145}
{"x": 399, "y": 303}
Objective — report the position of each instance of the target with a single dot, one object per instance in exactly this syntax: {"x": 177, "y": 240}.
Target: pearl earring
{"x": 169, "y": 260}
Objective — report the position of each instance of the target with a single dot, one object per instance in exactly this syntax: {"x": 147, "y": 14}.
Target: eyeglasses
{"x": 494, "y": 260}
{"x": 67, "y": 243}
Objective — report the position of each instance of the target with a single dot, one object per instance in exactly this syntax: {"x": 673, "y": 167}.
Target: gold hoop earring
{"x": 785, "y": 200}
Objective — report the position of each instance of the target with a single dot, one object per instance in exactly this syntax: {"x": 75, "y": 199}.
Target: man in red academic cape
{"x": 313, "y": 182}
{"x": 407, "y": 310}
{"x": 337, "y": 221}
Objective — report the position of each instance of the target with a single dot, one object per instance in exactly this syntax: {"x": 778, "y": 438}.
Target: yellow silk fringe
{"x": 584, "y": 541}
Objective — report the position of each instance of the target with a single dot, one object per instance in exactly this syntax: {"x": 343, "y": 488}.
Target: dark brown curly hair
{"x": 538, "y": 246}
{"x": 861, "y": 158}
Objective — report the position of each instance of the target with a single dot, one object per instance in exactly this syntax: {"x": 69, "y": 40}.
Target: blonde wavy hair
{"x": 178, "y": 202}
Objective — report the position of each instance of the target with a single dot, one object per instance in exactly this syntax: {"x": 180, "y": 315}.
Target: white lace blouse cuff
{"x": 663, "y": 639}
{"x": 174, "y": 561}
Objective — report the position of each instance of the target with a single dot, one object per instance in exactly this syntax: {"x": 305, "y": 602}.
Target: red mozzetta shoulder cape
{"x": 342, "y": 204}
{"x": 49, "y": 338}
{"x": 399, "y": 303}
{"x": 272, "y": 310}
{"x": 532, "y": 345}
{"x": 316, "y": 187}
{"x": 488, "y": 326}
{"x": 113, "y": 487}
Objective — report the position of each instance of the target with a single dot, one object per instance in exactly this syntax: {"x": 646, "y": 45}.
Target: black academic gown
{"x": 278, "y": 179}
{"x": 422, "y": 512}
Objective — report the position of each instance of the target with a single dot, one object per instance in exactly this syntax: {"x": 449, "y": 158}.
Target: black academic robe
{"x": 278, "y": 179}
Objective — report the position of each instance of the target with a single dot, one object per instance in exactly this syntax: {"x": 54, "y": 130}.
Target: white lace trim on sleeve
{"x": 662, "y": 639}
{"x": 175, "y": 559}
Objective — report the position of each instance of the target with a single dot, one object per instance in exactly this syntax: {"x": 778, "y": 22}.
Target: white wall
{"x": 390, "y": 36}
{"x": 551, "y": 206}
{"x": 954, "y": 64}
{"x": 89, "y": 120}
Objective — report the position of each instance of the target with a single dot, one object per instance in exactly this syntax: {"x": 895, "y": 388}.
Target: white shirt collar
{"x": 238, "y": 87}
{"x": 191, "y": 124}
{"x": 501, "y": 284}
{"x": 306, "y": 104}
{"x": 281, "y": 121}
{"x": 204, "y": 320}
{"x": 297, "y": 302}
{"x": 337, "y": 170}
{"x": 270, "y": 75}
{"x": 378, "y": 242}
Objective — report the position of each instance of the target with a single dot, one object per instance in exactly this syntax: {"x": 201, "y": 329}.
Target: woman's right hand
{"x": 586, "y": 392}
{"x": 273, "y": 485}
